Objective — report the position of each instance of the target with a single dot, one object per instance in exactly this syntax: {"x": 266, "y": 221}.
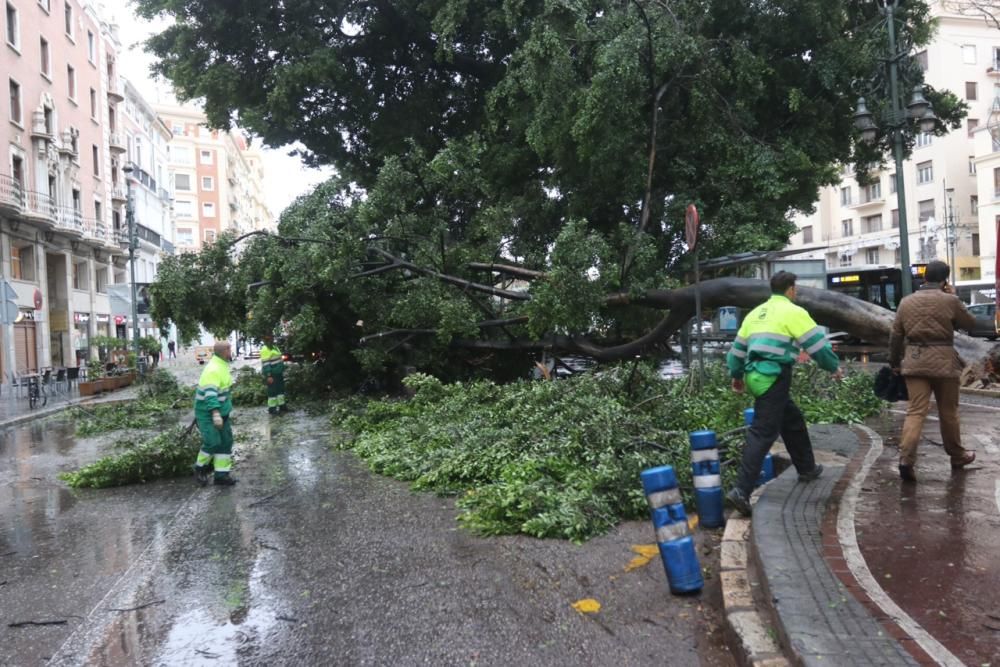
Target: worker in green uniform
{"x": 760, "y": 362}
{"x": 212, "y": 407}
{"x": 272, "y": 367}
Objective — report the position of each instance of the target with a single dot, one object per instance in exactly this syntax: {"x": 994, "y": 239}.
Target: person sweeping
{"x": 213, "y": 405}
{"x": 272, "y": 367}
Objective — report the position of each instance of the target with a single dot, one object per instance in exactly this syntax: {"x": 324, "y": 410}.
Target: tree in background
{"x": 513, "y": 175}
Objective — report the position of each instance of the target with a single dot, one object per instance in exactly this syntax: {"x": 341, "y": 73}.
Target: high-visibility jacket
{"x": 772, "y": 335}
{"x": 271, "y": 361}
{"x": 214, "y": 388}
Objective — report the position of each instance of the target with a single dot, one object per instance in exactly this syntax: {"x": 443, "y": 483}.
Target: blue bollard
{"x": 707, "y": 478}
{"x": 767, "y": 468}
{"x": 680, "y": 561}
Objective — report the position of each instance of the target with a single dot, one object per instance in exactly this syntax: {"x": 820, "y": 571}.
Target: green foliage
{"x": 166, "y": 455}
{"x": 562, "y": 459}
{"x": 159, "y": 396}
{"x": 95, "y": 369}
{"x": 249, "y": 389}
{"x": 149, "y": 344}
{"x": 516, "y": 132}
{"x": 161, "y": 384}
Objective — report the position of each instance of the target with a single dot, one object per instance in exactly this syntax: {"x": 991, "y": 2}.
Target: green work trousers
{"x": 276, "y": 393}
{"x": 217, "y": 445}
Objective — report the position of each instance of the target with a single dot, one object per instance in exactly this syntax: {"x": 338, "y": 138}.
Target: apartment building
{"x": 56, "y": 246}
{"x": 217, "y": 180}
{"x": 856, "y": 227}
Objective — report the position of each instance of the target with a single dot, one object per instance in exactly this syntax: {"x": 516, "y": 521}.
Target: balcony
{"x": 164, "y": 195}
{"x": 69, "y": 219}
{"x": 11, "y": 194}
{"x": 875, "y": 202}
{"x": 116, "y": 143}
{"x": 39, "y": 208}
{"x": 118, "y": 195}
{"x": 115, "y": 92}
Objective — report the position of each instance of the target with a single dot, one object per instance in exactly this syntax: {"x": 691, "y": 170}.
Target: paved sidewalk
{"x": 817, "y": 616}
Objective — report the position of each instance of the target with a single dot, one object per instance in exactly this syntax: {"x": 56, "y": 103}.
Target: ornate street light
{"x": 132, "y": 243}
{"x": 894, "y": 121}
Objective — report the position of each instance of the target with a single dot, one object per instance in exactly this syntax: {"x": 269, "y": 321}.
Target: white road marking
{"x": 977, "y": 405}
{"x": 903, "y": 412}
{"x": 859, "y": 568}
{"x": 998, "y": 495}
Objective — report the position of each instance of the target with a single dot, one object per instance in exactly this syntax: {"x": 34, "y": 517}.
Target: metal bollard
{"x": 707, "y": 478}
{"x": 767, "y": 468}
{"x": 680, "y": 561}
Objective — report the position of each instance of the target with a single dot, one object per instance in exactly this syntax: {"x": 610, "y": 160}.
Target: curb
{"x": 989, "y": 393}
{"x": 748, "y": 633}
{"x": 49, "y": 411}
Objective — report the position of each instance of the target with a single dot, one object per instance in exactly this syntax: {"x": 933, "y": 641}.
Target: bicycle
{"x": 36, "y": 393}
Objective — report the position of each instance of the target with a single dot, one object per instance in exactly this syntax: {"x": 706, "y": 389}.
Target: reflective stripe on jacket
{"x": 772, "y": 335}
{"x": 214, "y": 388}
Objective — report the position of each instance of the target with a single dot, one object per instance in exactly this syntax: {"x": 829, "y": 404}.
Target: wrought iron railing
{"x": 11, "y": 192}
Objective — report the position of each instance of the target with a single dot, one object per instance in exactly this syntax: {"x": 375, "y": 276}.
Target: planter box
{"x": 88, "y": 388}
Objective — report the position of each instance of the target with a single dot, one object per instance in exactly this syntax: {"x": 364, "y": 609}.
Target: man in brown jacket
{"x": 921, "y": 345}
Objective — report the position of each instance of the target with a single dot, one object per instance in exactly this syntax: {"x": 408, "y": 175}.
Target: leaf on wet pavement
{"x": 647, "y": 552}
{"x": 587, "y": 606}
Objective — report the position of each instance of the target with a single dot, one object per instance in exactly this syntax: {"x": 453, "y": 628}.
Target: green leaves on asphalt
{"x": 562, "y": 459}
{"x": 166, "y": 455}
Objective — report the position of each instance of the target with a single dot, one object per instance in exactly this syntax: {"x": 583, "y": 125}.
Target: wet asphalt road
{"x": 310, "y": 560}
{"x": 934, "y": 546}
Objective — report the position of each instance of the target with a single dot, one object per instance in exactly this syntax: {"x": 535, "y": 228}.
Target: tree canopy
{"x": 504, "y": 167}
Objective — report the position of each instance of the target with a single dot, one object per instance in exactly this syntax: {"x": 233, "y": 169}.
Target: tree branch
{"x": 518, "y": 271}
{"x": 452, "y": 280}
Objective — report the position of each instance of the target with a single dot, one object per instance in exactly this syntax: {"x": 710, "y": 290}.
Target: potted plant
{"x": 95, "y": 379}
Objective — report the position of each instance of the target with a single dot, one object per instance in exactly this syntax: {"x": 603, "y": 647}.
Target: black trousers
{"x": 775, "y": 414}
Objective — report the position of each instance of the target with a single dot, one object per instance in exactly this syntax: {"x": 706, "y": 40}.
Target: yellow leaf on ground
{"x": 587, "y": 606}
{"x": 692, "y": 522}
{"x": 647, "y": 552}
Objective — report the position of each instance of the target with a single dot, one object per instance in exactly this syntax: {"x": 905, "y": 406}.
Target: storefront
{"x": 81, "y": 337}
{"x": 121, "y": 326}
{"x": 103, "y": 324}
{"x": 25, "y": 342}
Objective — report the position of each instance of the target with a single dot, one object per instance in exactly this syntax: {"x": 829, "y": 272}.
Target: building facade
{"x": 217, "y": 180}
{"x": 856, "y": 227}
{"x": 57, "y": 246}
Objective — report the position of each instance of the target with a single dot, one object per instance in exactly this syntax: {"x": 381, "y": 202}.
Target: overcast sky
{"x": 285, "y": 178}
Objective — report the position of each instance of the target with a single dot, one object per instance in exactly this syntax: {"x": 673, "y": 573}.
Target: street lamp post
{"x": 895, "y": 120}
{"x": 132, "y": 243}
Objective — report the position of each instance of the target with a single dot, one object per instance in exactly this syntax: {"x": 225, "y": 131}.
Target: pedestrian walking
{"x": 760, "y": 362}
{"x": 212, "y": 408}
{"x": 171, "y": 350}
{"x": 272, "y": 367}
{"x": 922, "y": 348}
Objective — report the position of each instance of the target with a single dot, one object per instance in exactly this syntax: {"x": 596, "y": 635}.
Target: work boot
{"x": 906, "y": 473}
{"x": 812, "y": 475}
{"x": 739, "y": 501}
{"x": 201, "y": 474}
{"x": 967, "y": 458}
{"x": 224, "y": 480}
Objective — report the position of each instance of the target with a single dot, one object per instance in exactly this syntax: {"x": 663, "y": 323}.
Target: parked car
{"x": 986, "y": 326}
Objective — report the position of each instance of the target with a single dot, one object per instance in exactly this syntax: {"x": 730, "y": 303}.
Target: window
{"x": 975, "y": 245}
{"x": 68, "y": 15}
{"x": 210, "y": 235}
{"x": 969, "y": 54}
{"x": 971, "y": 124}
{"x": 177, "y": 128}
{"x": 17, "y": 170}
{"x": 181, "y": 155}
{"x": 872, "y": 192}
{"x": 925, "y": 210}
{"x": 924, "y": 139}
{"x": 996, "y": 59}
{"x": 46, "y": 5}
{"x": 208, "y": 209}
{"x": 873, "y": 223}
{"x": 206, "y": 157}
{"x": 102, "y": 280}
{"x": 43, "y": 48}
{"x": 91, "y": 48}
{"x": 81, "y": 273}
{"x": 845, "y": 196}
{"x": 97, "y": 160}
{"x": 897, "y": 256}
{"x": 182, "y": 182}
{"x": 77, "y": 202}
{"x": 93, "y": 104}
{"x": 15, "y": 101}
{"x": 871, "y": 256}
{"x": 846, "y": 228}
{"x": 13, "y": 27}
{"x": 207, "y": 183}
{"x": 892, "y": 183}
{"x": 184, "y": 208}
{"x": 71, "y": 82}
{"x": 971, "y": 90}
{"x": 807, "y": 234}
{"x": 921, "y": 59}
{"x": 996, "y": 183}
{"x": 185, "y": 236}
{"x": 22, "y": 262}
{"x": 972, "y": 165}
{"x": 895, "y": 218}
{"x": 974, "y": 204}
{"x": 98, "y": 211}
{"x": 925, "y": 172}
{"x": 48, "y": 121}
{"x": 846, "y": 260}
